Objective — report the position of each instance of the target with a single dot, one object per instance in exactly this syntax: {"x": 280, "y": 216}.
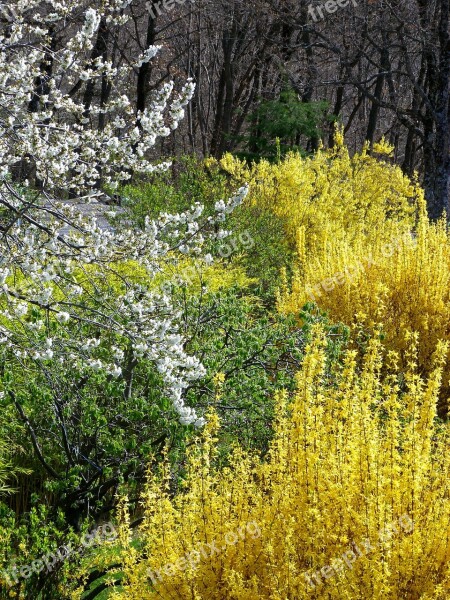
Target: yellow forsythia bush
{"x": 332, "y": 196}
{"x": 365, "y": 249}
{"x": 394, "y": 287}
{"x": 353, "y": 500}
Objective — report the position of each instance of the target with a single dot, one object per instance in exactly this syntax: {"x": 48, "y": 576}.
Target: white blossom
{"x": 62, "y": 317}
{"x": 115, "y": 371}
{"x": 146, "y": 56}
{"x": 53, "y": 259}
{"x": 21, "y": 309}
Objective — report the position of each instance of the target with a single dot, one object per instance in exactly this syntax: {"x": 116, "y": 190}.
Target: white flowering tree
{"x": 81, "y": 310}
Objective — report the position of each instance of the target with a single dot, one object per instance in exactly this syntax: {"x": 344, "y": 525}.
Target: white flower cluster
{"x": 147, "y": 56}
{"x": 224, "y": 208}
{"x": 90, "y": 25}
{"x": 56, "y": 137}
{"x": 46, "y": 277}
{"x": 57, "y": 267}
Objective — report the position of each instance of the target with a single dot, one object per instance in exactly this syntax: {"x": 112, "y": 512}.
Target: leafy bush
{"x": 6, "y": 468}
{"x": 190, "y": 180}
{"x": 365, "y": 250}
{"x": 25, "y": 539}
{"x": 281, "y": 125}
{"x": 11, "y": 454}
{"x": 258, "y": 242}
{"x": 250, "y": 354}
{"x": 361, "y": 252}
{"x": 395, "y": 288}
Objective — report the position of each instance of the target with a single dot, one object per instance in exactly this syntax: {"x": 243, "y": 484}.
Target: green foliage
{"x": 189, "y": 181}
{"x": 5, "y": 469}
{"x": 283, "y": 125}
{"x": 26, "y": 538}
{"x": 269, "y": 253}
{"x": 258, "y": 242}
{"x": 251, "y": 353}
{"x": 9, "y": 467}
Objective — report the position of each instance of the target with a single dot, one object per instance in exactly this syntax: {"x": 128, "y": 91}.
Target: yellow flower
{"x": 353, "y": 496}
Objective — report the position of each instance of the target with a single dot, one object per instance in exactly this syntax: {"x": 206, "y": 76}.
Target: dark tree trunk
{"x": 223, "y": 120}
{"x": 439, "y": 199}
{"x": 145, "y": 70}
{"x": 436, "y": 116}
{"x": 378, "y": 94}
{"x": 99, "y": 50}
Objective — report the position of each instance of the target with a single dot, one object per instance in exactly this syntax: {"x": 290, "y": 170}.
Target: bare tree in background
{"x": 382, "y": 66}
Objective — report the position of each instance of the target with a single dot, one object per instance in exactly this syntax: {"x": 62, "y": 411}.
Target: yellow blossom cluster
{"x": 366, "y": 251}
{"x": 352, "y": 501}
{"x": 395, "y": 288}
{"x": 332, "y": 195}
